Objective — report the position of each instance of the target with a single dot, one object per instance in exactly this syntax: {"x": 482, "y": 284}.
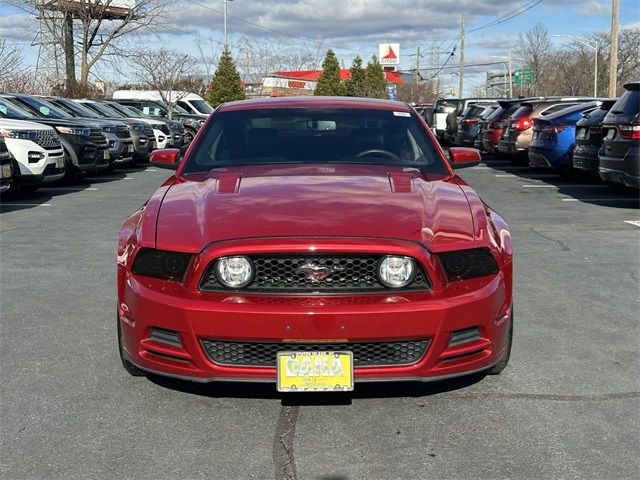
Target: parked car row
{"x": 45, "y": 139}
{"x": 599, "y": 136}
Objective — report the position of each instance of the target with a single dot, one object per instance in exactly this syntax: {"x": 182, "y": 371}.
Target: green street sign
{"x": 523, "y": 76}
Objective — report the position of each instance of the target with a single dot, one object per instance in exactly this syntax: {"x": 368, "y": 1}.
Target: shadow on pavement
{"x": 581, "y": 186}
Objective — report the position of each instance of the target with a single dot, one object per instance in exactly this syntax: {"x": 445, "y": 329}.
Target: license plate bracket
{"x": 320, "y": 371}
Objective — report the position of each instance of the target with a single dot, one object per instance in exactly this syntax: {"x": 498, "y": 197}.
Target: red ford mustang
{"x": 314, "y": 242}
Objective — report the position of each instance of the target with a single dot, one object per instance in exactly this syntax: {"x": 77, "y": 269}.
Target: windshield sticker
{"x": 3, "y": 109}
{"x": 45, "y": 111}
{"x": 402, "y": 114}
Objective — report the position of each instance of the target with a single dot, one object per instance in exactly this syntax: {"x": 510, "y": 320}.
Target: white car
{"x": 36, "y": 149}
{"x": 191, "y": 102}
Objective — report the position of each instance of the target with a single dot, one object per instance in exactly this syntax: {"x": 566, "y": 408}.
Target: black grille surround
{"x": 352, "y": 273}
{"x": 365, "y": 354}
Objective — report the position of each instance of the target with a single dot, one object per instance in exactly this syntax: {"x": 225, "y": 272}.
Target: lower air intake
{"x": 367, "y": 354}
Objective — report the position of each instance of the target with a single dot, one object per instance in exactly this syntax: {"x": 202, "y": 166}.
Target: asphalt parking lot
{"x": 567, "y": 406}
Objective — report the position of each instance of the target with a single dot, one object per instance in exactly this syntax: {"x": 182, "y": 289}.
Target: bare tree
{"x": 89, "y": 30}
{"x": 534, "y": 47}
{"x": 11, "y": 67}
{"x": 170, "y": 73}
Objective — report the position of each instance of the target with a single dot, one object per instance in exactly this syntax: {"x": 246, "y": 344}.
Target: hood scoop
{"x": 228, "y": 183}
{"x": 401, "y": 182}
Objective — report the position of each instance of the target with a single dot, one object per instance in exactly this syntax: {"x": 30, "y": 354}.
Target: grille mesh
{"x": 48, "y": 139}
{"x": 350, "y": 273}
{"x": 366, "y": 354}
{"x": 122, "y": 132}
{"x": 98, "y": 137}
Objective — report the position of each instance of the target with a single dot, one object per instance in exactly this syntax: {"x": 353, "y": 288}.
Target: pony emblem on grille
{"x": 317, "y": 273}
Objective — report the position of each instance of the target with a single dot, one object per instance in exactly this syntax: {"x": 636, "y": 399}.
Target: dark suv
{"x": 619, "y": 156}
{"x": 589, "y": 139}
{"x": 84, "y": 144}
{"x": 191, "y": 122}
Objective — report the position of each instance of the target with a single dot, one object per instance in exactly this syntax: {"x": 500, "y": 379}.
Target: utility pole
{"x": 613, "y": 52}
{"x": 226, "y": 43}
{"x": 461, "y": 74}
{"x": 417, "y": 65}
{"x": 510, "y": 77}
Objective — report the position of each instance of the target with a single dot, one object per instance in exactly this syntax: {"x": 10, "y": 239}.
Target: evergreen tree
{"x": 226, "y": 85}
{"x": 329, "y": 82}
{"x": 356, "y": 84}
{"x": 374, "y": 79}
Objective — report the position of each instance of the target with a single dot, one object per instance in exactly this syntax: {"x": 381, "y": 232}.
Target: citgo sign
{"x": 389, "y": 54}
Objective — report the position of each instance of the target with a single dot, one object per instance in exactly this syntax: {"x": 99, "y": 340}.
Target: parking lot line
{"x": 533, "y": 175}
{"x": 602, "y": 199}
{"x": 633, "y": 222}
{"x": 532, "y": 185}
{"x": 568, "y": 185}
{"x": 11, "y": 204}
{"x": 71, "y": 189}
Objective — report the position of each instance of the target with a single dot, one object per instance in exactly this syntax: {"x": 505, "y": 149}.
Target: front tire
{"x": 128, "y": 366}
{"x": 504, "y": 360}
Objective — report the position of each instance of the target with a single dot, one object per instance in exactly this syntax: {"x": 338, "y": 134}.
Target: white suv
{"x": 36, "y": 149}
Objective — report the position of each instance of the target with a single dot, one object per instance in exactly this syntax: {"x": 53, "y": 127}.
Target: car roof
{"x": 573, "y": 109}
{"x": 316, "y": 102}
{"x": 531, "y": 103}
{"x": 632, "y": 85}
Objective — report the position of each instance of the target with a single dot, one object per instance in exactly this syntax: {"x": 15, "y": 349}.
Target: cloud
{"x": 17, "y": 27}
{"x": 595, "y": 8}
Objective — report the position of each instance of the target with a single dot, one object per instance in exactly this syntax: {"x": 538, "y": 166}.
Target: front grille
{"x": 4, "y": 151}
{"x": 366, "y": 354}
{"x": 48, "y": 140}
{"x": 148, "y": 131}
{"x": 164, "y": 128}
{"x": 98, "y": 137}
{"x": 123, "y": 132}
{"x": 279, "y": 274}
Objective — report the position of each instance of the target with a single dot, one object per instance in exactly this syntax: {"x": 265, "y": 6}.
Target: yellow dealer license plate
{"x": 315, "y": 371}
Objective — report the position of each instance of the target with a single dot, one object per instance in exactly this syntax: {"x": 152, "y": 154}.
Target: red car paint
{"x": 320, "y": 208}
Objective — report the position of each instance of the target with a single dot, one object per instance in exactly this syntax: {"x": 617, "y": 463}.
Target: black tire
{"x": 128, "y": 366}
{"x": 504, "y": 360}
{"x": 188, "y": 136}
{"x": 70, "y": 173}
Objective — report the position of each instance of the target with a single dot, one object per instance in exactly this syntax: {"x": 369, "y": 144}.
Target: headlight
{"x": 463, "y": 264}
{"x": 111, "y": 129}
{"x": 201, "y": 122}
{"x": 161, "y": 264}
{"x": 234, "y": 272}
{"x": 157, "y": 126}
{"x": 85, "y": 132}
{"x": 19, "y": 134}
{"x": 137, "y": 127}
{"x": 396, "y": 272}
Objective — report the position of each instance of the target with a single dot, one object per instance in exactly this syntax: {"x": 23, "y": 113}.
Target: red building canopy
{"x": 345, "y": 74}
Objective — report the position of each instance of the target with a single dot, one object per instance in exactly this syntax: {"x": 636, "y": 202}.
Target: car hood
{"x": 65, "y": 122}
{"x": 314, "y": 201}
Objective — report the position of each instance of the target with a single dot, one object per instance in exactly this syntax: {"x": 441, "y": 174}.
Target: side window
{"x": 185, "y": 105}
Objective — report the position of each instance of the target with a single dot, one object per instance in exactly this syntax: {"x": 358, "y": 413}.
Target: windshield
{"x": 201, "y": 106}
{"x": 127, "y": 111}
{"x": 74, "y": 108}
{"x": 105, "y": 110}
{"x": 300, "y": 135}
{"x": 8, "y": 110}
{"x": 39, "y": 107}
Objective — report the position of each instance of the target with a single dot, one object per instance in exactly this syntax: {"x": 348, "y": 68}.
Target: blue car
{"x": 554, "y": 138}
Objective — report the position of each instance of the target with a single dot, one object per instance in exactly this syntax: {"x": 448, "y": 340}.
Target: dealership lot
{"x": 566, "y": 407}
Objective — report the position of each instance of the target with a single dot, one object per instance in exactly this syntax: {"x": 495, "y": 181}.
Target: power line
{"x": 262, "y": 27}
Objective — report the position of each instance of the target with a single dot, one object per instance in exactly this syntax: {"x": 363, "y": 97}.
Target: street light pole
{"x": 595, "y": 68}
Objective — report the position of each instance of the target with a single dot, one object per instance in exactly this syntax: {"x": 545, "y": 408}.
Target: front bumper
{"x": 482, "y": 303}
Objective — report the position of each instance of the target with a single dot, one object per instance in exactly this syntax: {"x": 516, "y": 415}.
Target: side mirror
{"x": 461, "y": 157}
{"x": 165, "y": 158}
